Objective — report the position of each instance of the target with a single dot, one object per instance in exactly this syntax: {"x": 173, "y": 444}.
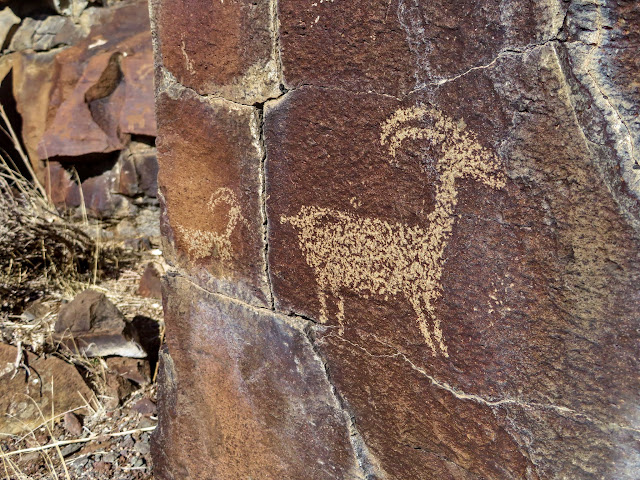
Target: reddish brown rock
{"x": 137, "y": 371}
{"x": 137, "y": 115}
{"x": 62, "y": 190}
{"x": 102, "y": 87}
{"x": 72, "y": 424}
{"x": 138, "y": 171}
{"x": 237, "y": 57}
{"x": 101, "y": 199}
{"x": 150, "y": 285}
{"x": 127, "y": 181}
{"x": 42, "y": 387}
{"x": 146, "y": 162}
{"x": 211, "y": 188}
{"x": 144, "y": 407}
{"x": 93, "y": 326}
{"x": 32, "y": 84}
{"x": 265, "y": 408}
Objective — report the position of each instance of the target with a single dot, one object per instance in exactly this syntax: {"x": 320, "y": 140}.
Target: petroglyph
{"x": 374, "y": 257}
{"x": 204, "y": 243}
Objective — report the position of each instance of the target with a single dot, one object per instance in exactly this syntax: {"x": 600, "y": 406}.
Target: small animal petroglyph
{"x": 374, "y": 257}
{"x": 204, "y": 243}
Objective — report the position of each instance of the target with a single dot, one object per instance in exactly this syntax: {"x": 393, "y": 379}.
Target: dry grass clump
{"x": 40, "y": 250}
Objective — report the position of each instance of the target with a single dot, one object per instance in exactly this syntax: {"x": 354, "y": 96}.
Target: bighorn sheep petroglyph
{"x": 374, "y": 257}
{"x": 204, "y": 243}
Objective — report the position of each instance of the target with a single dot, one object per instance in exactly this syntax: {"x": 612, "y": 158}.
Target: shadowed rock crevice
{"x": 369, "y": 466}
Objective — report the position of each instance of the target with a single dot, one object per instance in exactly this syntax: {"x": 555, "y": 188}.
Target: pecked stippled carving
{"x": 204, "y": 243}
{"x": 371, "y": 256}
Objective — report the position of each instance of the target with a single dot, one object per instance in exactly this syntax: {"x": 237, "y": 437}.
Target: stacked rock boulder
{"x": 404, "y": 236}
{"x": 78, "y": 78}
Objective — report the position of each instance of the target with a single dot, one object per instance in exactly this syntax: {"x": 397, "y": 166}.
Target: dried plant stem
{"x": 62, "y": 443}
{"x": 18, "y": 146}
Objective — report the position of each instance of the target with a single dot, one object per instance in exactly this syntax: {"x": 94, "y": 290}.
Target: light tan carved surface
{"x": 374, "y": 257}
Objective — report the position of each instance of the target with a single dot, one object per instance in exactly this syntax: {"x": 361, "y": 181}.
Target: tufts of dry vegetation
{"x": 40, "y": 250}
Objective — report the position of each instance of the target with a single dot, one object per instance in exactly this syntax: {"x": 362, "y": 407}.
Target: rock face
{"x": 82, "y": 83}
{"x": 428, "y": 262}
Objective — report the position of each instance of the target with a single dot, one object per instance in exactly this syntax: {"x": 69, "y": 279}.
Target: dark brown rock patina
{"x": 266, "y": 406}
{"x": 211, "y": 186}
{"x": 225, "y": 49}
{"x": 524, "y": 350}
{"x": 452, "y": 212}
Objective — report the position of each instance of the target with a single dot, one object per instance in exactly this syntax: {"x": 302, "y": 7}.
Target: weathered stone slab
{"x": 598, "y": 57}
{"x": 451, "y": 202}
{"x": 210, "y": 159}
{"x": 41, "y": 35}
{"x": 456, "y": 257}
{"x": 32, "y": 85}
{"x": 225, "y": 49}
{"x": 61, "y": 189}
{"x": 101, "y": 88}
{"x": 246, "y": 387}
{"x": 50, "y": 386}
{"x": 395, "y": 46}
{"x": 93, "y": 326}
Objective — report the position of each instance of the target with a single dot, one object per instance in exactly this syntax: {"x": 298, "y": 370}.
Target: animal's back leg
{"x": 322, "y": 297}
{"x": 437, "y": 332}
{"x": 422, "y": 323}
{"x": 437, "y": 329}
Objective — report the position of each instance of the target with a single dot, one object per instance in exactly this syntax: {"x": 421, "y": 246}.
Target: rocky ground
{"x": 78, "y": 415}
{"x": 80, "y": 258}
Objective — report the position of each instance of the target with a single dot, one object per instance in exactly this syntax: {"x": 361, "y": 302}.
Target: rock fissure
{"x": 598, "y": 87}
{"x": 171, "y": 85}
{"x": 299, "y": 322}
{"x": 263, "y": 205}
{"x": 459, "y": 394}
{"x": 503, "y": 53}
{"x": 369, "y": 466}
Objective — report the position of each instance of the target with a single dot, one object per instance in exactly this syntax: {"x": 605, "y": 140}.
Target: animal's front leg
{"x": 322, "y": 297}
{"x": 422, "y": 323}
{"x": 437, "y": 332}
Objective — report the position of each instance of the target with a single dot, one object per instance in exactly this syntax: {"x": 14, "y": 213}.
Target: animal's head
{"x": 223, "y": 202}
{"x": 309, "y": 217}
{"x": 460, "y": 155}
